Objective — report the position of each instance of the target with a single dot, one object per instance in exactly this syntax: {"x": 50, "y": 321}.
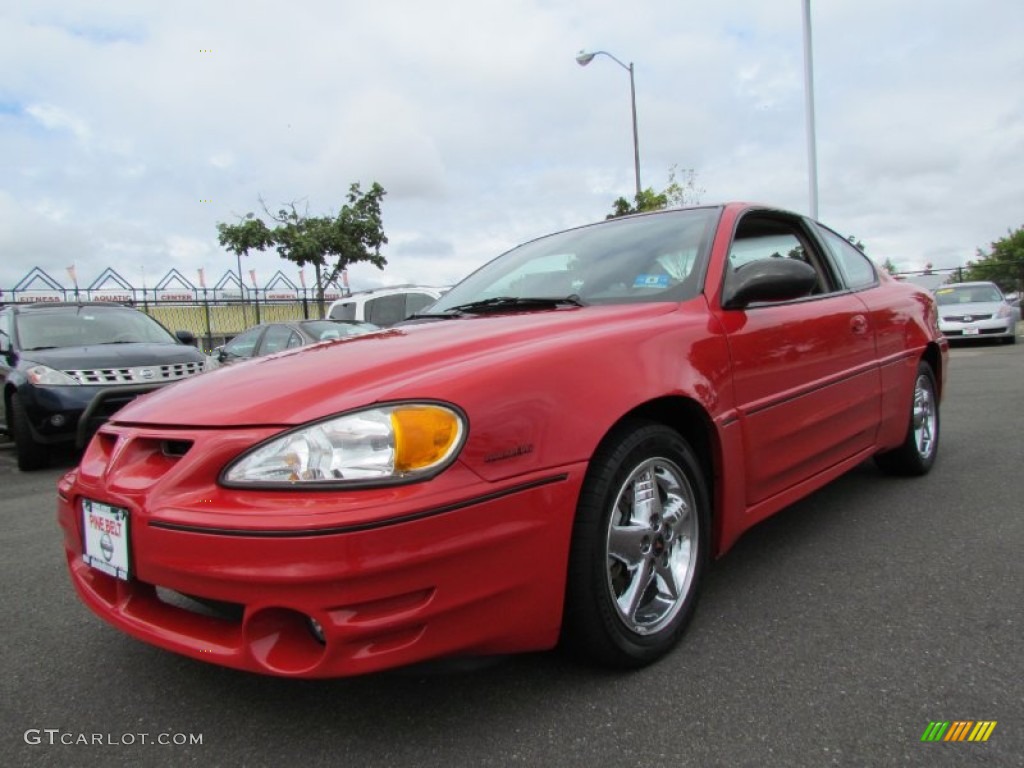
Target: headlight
{"x": 43, "y": 375}
{"x": 1004, "y": 311}
{"x": 403, "y": 441}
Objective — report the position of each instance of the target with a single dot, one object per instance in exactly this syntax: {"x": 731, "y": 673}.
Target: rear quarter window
{"x": 386, "y": 310}
{"x": 857, "y": 270}
{"x": 346, "y": 311}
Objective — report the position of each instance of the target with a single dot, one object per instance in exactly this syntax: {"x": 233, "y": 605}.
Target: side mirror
{"x": 774, "y": 279}
{"x": 220, "y": 353}
{"x": 186, "y": 337}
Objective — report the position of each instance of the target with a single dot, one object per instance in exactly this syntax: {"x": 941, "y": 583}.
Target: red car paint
{"x": 778, "y": 399}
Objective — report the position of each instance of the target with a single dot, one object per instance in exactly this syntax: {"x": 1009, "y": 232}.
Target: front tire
{"x": 640, "y": 547}
{"x": 917, "y": 454}
{"x": 31, "y": 454}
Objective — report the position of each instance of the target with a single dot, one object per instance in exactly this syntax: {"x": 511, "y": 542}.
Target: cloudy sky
{"x": 130, "y": 128}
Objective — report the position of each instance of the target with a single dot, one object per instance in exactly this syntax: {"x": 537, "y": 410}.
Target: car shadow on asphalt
{"x": 61, "y": 457}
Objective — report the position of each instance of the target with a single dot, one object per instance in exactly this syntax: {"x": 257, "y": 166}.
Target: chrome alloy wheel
{"x": 925, "y": 416}
{"x": 652, "y": 545}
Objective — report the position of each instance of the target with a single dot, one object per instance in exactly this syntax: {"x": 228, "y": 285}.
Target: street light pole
{"x": 812, "y": 152}
{"x": 241, "y": 291}
{"x": 583, "y": 58}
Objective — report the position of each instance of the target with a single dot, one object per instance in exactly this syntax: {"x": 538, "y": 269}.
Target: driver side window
{"x": 760, "y": 236}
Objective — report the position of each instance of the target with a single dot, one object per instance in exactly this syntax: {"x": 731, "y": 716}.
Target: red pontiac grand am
{"x": 554, "y": 451}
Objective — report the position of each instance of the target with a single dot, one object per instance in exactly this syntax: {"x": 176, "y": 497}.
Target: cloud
{"x": 118, "y": 118}
{"x": 56, "y": 119}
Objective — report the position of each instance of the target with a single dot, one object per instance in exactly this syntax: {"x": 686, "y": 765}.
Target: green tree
{"x": 1003, "y": 264}
{"x": 681, "y": 190}
{"x": 249, "y": 234}
{"x": 647, "y": 200}
{"x": 329, "y": 243}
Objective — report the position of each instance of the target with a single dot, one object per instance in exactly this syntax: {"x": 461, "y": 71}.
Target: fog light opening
{"x": 57, "y": 420}
{"x": 317, "y": 630}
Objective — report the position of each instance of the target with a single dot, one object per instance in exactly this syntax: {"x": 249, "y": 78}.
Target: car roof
{"x": 384, "y": 290}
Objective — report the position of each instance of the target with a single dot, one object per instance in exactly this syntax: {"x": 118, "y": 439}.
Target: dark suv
{"x": 66, "y": 367}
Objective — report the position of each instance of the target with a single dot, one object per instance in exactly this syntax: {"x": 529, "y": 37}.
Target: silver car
{"x": 976, "y": 311}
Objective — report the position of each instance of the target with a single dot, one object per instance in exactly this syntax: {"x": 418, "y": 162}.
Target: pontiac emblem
{"x": 107, "y": 547}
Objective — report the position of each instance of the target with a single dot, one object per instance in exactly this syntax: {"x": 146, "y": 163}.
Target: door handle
{"x": 859, "y": 324}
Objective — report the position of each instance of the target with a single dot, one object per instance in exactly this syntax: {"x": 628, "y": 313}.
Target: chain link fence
{"x": 932, "y": 278}
{"x": 214, "y": 323}
{"x": 216, "y": 315}
{"x": 213, "y": 316}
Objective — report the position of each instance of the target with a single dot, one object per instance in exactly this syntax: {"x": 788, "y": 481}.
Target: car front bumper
{"x": 71, "y": 414}
{"x": 476, "y": 568}
{"x": 998, "y": 328}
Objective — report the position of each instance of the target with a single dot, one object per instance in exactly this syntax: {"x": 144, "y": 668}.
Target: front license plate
{"x": 105, "y": 538}
{"x": 970, "y": 331}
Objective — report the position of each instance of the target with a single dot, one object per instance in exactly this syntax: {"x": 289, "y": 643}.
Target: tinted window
{"x": 277, "y": 338}
{"x": 87, "y": 325}
{"x": 659, "y": 257}
{"x": 968, "y": 294}
{"x": 856, "y": 268}
{"x": 414, "y": 302}
{"x": 760, "y": 236}
{"x": 244, "y": 344}
{"x": 386, "y": 310}
{"x": 323, "y": 330}
{"x": 346, "y": 311}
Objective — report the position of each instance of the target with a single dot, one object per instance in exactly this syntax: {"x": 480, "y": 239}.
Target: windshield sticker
{"x": 651, "y": 281}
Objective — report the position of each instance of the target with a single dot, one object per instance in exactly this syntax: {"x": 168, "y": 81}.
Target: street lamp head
{"x": 583, "y": 58}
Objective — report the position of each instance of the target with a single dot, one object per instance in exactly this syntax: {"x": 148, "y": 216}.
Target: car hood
{"x": 971, "y": 308}
{"x": 312, "y": 382}
{"x": 94, "y": 356}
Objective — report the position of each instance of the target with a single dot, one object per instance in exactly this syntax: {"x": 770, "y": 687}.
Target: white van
{"x": 384, "y": 306}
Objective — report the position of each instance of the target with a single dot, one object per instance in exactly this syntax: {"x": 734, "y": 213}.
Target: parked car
{"x": 978, "y": 310}
{"x": 268, "y": 338}
{"x": 555, "y": 451}
{"x": 67, "y": 367}
{"x": 384, "y": 306}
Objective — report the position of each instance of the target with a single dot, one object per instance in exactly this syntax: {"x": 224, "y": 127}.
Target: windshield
{"x": 83, "y": 326}
{"x": 968, "y": 294}
{"x": 659, "y": 257}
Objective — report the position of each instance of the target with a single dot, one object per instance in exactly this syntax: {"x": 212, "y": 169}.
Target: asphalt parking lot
{"x": 832, "y": 634}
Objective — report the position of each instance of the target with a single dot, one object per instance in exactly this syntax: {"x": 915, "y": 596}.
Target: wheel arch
{"x": 933, "y": 356}
{"x": 687, "y": 417}
{"x": 585, "y": 625}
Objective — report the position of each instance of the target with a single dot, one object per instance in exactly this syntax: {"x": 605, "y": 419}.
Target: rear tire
{"x": 640, "y": 547}
{"x": 917, "y": 454}
{"x": 31, "y": 454}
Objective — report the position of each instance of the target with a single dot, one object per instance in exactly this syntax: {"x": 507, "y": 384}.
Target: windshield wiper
{"x": 525, "y": 303}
